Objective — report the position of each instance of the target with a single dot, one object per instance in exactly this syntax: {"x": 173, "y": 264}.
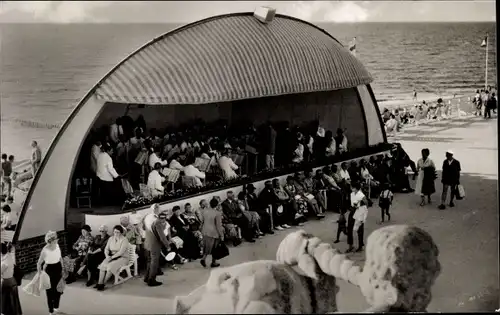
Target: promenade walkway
{"x": 467, "y": 236}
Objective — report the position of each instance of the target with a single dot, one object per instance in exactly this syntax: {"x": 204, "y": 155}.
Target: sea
{"x": 45, "y": 69}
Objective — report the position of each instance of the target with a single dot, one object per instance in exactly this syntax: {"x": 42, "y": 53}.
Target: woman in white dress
{"x": 426, "y": 177}
{"x": 116, "y": 256}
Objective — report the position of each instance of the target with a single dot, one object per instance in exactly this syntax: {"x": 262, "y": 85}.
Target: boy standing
{"x": 385, "y": 202}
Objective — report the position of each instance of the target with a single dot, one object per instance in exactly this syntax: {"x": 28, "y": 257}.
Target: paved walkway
{"x": 467, "y": 236}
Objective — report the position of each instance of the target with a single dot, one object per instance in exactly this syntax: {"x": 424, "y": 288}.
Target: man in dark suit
{"x": 155, "y": 241}
{"x": 232, "y": 211}
{"x": 450, "y": 179}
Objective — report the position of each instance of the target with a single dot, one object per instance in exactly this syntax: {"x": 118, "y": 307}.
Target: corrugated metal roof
{"x": 233, "y": 57}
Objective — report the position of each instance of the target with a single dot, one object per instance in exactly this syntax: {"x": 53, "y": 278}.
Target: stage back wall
{"x": 333, "y": 109}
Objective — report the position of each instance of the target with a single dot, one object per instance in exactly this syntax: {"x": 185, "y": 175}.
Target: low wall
{"x": 28, "y": 250}
{"x": 94, "y": 221}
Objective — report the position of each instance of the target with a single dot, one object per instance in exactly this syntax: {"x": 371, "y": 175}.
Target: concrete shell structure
{"x": 217, "y": 60}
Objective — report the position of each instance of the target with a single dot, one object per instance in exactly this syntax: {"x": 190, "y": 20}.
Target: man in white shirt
{"x": 106, "y": 174}
{"x": 191, "y": 171}
{"x": 115, "y": 130}
{"x": 356, "y": 197}
{"x": 155, "y": 181}
{"x": 341, "y": 141}
{"x": 227, "y": 166}
{"x": 94, "y": 154}
{"x": 344, "y": 174}
{"x": 174, "y": 164}
{"x": 153, "y": 159}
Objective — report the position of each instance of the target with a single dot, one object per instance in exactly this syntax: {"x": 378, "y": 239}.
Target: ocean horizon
{"x": 45, "y": 69}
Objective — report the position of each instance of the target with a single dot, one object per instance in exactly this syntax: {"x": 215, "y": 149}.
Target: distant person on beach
{"x": 477, "y": 102}
{"x": 36, "y": 157}
{"x": 6, "y": 175}
{"x": 414, "y": 94}
{"x": 450, "y": 178}
{"x": 391, "y": 126}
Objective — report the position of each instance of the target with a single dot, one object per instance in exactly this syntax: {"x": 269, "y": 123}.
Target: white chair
{"x": 132, "y": 263}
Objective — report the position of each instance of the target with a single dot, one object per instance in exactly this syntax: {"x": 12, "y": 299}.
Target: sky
{"x": 190, "y": 11}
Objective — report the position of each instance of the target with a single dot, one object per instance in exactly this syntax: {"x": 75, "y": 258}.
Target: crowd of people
{"x": 483, "y": 104}
{"x": 125, "y": 159}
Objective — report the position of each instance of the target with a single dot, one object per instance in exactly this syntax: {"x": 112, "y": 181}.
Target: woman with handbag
{"x": 426, "y": 176}
{"x": 51, "y": 261}
{"x": 213, "y": 232}
{"x": 10, "y": 294}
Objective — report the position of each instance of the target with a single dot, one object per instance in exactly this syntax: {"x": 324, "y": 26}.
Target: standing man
{"x": 155, "y": 224}
{"x": 270, "y": 146}
{"x": 36, "y": 157}
{"x": 6, "y": 175}
{"x": 450, "y": 179}
{"x": 107, "y": 173}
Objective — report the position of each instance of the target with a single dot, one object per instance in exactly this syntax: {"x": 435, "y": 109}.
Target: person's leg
{"x": 50, "y": 300}
{"x": 361, "y": 234}
{"x": 154, "y": 266}
{"x": 102, "y": 273}
{"x": 422, "y": 200}
{"x": 148, "y": 265}
{"x": 382, "y": 214}
{"x": 388, "y": 214}
{"x": 56, "y": 299}
{"x": 453, "y": 192}
{"x": 339, "y": 230}
{"x": 350, "y": 227}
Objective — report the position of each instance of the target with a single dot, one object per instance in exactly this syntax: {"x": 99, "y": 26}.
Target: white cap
{"x": 449, "y": 152}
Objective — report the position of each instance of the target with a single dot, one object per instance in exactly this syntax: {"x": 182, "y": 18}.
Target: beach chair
{"x": 83, "y": 190}
{"x": 132, "y": 263}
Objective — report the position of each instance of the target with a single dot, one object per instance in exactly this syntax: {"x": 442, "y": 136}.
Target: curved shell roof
{"x": 233, "y": 57}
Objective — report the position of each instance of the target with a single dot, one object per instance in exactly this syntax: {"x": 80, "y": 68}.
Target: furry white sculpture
{"x": 400, "y": 269}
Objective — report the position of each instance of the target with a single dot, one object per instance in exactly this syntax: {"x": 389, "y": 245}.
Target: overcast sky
{"x": 189, "y": 11}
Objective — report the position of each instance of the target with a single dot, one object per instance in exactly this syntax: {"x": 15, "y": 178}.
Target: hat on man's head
{"x": 162, "y": 215}
{"x": 251, "y": 187}
{"x": 449, "y": 152}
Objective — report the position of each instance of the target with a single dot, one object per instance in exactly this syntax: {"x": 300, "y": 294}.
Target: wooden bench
{"x": 132, "y": 263}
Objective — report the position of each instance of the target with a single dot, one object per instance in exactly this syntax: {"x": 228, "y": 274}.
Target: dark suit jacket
{"x": 181, "y": 227}
{"x": 451, "y": 172}
{"x": 231, "y": 209}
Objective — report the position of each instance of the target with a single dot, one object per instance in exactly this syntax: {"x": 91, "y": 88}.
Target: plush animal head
{"x": 400, "y": 268}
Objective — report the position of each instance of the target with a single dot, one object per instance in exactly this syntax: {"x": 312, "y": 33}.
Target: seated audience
{"x": 231, "y": 231}
{"x": 251, "y": 216}
{"x": 80, "y": 250}
{"x": 156, "y": 180}
{"x": 365, "y": 173}
{"x": 344, "y": 174}
{"x": 233, "y": 212}
{"x": 287, "y": 217}
{"x": 95, "y": 255}
{"x": 194, "y": 219}
{"x": 116, "y": 256}
{"x": 309, "y": 184}
{"x": 227, "y": 166}
{"x": 333, "y": 194}
{"x": 313, "y": 207}
{"x": 135, "y": 236}
{"x": 354, "y": 173}
{"x": 298, "y": 202}
{"x": 255, "y": 205}
{"x": 181, "y": 227}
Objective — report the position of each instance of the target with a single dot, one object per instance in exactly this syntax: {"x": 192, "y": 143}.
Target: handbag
{"x": 18, "y": 275}
{"x": 460, "y": 192}
{"x": 220, "y": 251}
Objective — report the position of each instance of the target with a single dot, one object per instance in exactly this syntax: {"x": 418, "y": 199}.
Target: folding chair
{"x": 83, "y": 189}
{"x": 132, "y": 263}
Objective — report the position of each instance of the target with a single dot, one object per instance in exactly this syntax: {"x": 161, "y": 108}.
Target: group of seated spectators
{"x": 197, "y": 153}
{"x": 246, "y": 216}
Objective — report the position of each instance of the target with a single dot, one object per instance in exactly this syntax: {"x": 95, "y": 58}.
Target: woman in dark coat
{"x": 10, "y": 294}
{"x": 426, "y": 177}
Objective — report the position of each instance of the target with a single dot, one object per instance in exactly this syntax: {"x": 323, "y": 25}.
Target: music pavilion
{"x": 242, "y": 65}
